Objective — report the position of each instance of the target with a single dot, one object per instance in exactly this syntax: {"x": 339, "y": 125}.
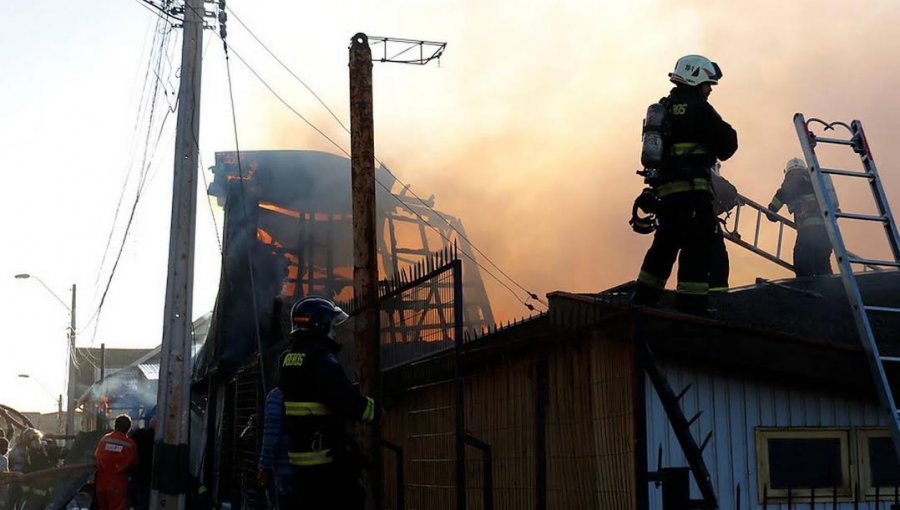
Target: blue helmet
{"x": 315, "y": 316}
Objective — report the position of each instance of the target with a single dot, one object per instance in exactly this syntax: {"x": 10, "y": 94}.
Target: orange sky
{"x": 530, "y": 128}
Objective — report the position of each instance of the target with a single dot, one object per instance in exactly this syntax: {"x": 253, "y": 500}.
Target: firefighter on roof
{"x": 318, "y": 400}
{"x": 690, "y": 140}
{"x": 812, "y": 249}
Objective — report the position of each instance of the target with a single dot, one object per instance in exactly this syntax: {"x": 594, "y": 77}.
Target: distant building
{"x": 130, "y": 382}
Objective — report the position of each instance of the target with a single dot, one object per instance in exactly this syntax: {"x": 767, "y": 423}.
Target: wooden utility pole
{"x": 365, "y": 265}
{"x": 70, "y": 401}
{"x": 170, "y": 457}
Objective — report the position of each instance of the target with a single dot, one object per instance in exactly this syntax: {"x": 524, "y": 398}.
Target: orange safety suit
{"x": 116, "y": 455}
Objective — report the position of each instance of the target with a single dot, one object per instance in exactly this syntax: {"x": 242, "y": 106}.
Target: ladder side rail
{"x": 849, "y": 280}
{"x": 884, "y": 209}
{"x": 762, "y": 253}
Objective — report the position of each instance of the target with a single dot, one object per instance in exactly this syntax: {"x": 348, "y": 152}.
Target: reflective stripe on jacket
{"x": 319, "y": 400}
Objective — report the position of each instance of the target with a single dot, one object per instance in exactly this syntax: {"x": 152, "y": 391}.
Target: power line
{"x": 386, "y": 188}
{"x": 237, "y": 147}
{"x": 530, "y": 294}
{"x": 288, "y": 69}
{"x": 147, "y": 161}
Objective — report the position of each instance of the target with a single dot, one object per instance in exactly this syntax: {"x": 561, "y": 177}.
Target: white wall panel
{"x": 733, "y": 407}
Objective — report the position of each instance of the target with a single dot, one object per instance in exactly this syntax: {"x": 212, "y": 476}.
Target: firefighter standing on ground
{"x": 319, "y": 400}
{"x": 116, "y": 455}
{"x": 812, "y": 249}
{"x": 696, "y": 136}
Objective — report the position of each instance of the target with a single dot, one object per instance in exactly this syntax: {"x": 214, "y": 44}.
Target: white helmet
{"x": 695, "y": 69}
{"x": 794, "y": 164}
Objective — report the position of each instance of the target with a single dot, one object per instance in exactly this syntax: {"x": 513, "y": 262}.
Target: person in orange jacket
{"x": 116, "y": 455}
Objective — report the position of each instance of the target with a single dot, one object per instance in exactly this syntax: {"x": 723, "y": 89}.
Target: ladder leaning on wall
{"x": 880, "y": 365}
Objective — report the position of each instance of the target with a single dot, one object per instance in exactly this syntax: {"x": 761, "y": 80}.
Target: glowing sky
{"x": 529, "y": 130}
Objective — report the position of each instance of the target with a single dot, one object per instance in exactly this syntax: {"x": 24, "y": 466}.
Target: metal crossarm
{"x": 831, "y": 214}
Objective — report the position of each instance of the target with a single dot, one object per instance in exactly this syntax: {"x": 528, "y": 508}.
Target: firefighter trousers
{"x": 812, "y": 251}
{"x": 718, "y": 263}
{"x": 687, "y": 229}
{"x": 323, "y": 488}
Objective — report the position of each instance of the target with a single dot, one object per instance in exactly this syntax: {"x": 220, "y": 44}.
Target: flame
{"x": 315, "y": 216}
{"x": 267, "y": 238}
{"x": 281, "y": 210}
{"x": 254, "y": 166}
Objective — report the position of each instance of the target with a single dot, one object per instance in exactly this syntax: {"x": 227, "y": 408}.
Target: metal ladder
{"x": 758, "y": 211}
{"x": 845, "y": 260}
{"x": 783, "y": 224}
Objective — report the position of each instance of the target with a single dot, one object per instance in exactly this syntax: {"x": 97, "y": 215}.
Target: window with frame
{"x": 803, "y": 462}
{"x": 878, "y": 467}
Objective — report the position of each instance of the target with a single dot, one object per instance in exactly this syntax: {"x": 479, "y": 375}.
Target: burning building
{"x": 288, "y": 234}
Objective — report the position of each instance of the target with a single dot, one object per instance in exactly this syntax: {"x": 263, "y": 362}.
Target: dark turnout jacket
{"x": 318, "y": 400}
{"x": 697, "y": 136}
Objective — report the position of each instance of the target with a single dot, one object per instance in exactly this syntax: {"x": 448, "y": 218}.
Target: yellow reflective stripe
{"x": 653, "y": 281}
{"x": 693, "y": 288}
{"x": 775, "y": 204}
{"x": 809, "y": 197}
{"x": 369, "y": 413}
{"x": 812, "y": 221}
{"x": 718, "y": 289}
{"x": 670, "y": 188}
{"x": 305, "y": 409}
{"x": 310, "y": 458}
{"x": 685, "y": 148}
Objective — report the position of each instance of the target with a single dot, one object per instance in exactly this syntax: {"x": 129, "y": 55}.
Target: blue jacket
{"x": 273, "y": 455}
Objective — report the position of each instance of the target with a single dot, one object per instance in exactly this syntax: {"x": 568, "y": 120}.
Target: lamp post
{"x": 58, "y": 400}
{"x": 70, "y": 401}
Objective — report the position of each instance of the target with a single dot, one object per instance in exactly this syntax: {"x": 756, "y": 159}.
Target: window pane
{"x": 883, "y": 462}
{"x": 805, "y": 463}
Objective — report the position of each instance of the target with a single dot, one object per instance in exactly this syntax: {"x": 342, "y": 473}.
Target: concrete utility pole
{"x": 365, "y": 265}
{"x": 70, "y": 402}
{"x": 170, "y": 457}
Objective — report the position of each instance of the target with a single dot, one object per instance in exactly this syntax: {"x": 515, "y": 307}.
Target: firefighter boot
{"x": 645, "y": 295}
{"x": 694, "y": 304}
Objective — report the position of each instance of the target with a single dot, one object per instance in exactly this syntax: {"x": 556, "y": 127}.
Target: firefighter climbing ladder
{"x": 846, "y": 261}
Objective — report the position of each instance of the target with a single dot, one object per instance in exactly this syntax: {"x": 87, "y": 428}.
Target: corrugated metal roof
{"x": 150, "y": 371}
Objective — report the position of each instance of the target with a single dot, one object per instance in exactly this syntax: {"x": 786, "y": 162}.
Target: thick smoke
{"x": 530, "y": 131}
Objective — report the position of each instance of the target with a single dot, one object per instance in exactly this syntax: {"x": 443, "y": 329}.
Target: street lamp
{"x": 56, "y": 399}
{"x": 70, "y": 404}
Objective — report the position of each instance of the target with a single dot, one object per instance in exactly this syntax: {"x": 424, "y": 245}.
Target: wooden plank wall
{"x": 590, "y": 431}
{"x": 500, "y": 410}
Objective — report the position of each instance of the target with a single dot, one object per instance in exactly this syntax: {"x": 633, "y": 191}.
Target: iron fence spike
{"x": 684, "y": 391}
{"x": 706, "y": 441}
{"x": 696, "y": 416}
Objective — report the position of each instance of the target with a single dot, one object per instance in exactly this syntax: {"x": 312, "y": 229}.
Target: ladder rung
{"x": 850, "y": 173}
{"x": 838, "y": 141}
{"x": 885, "y": 309}
{"x": 890, "y": 359}
{"x": 866, "y": 217}
{"x": 873, "y": 262}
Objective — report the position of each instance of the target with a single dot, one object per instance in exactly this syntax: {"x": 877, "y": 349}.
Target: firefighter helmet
{"x": 794, "y": 164}
{"x": 647, "y": 202}
{"x": 695, "y": 69}
{"x": 315, "y": 316}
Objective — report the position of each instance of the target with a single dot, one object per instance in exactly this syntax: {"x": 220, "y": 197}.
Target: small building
{"x": 129, "y": 382}
{"x": 766, "y": 404}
